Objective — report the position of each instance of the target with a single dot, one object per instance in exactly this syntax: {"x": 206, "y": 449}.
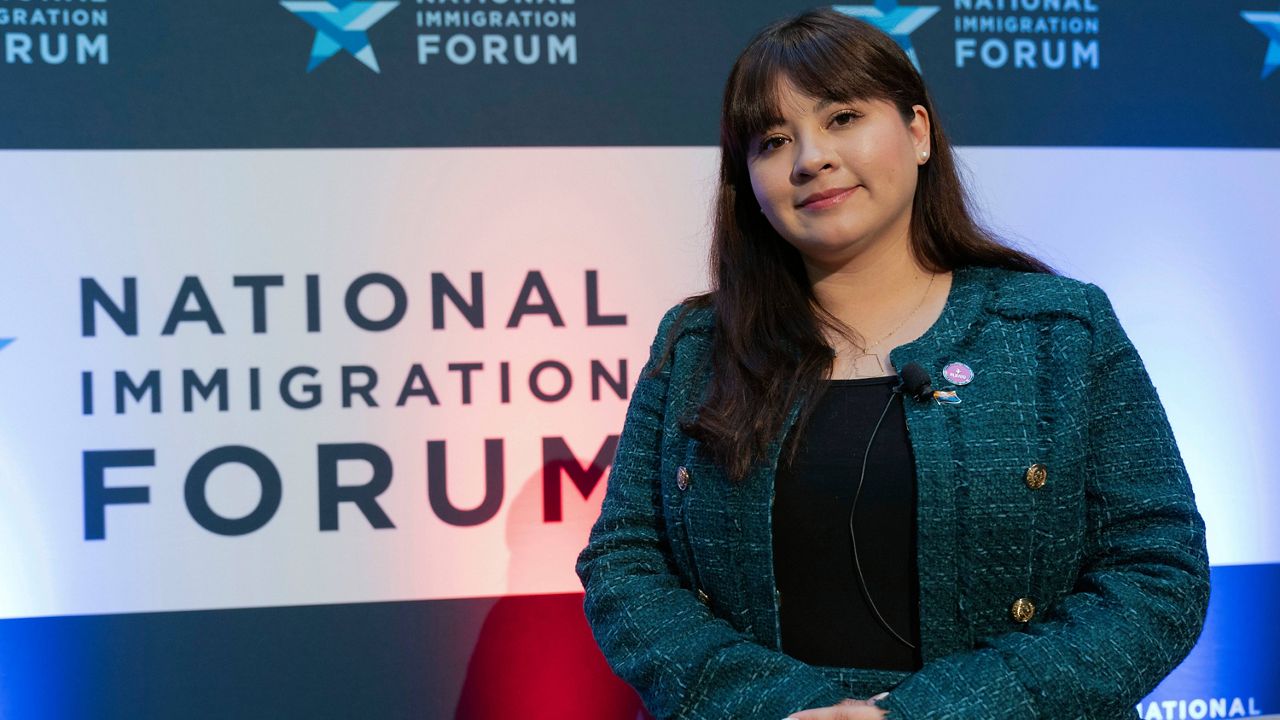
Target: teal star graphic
{"x": 1268, "y": 23}
{"x": 896, "y": 21}
{"x": 341, "y": 25}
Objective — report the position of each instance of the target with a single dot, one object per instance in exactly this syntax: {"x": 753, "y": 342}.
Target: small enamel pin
{"x": 958, "y": 373}
{"x": 946, "y": 397}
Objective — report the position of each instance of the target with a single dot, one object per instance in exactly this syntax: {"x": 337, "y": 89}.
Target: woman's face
{"x": 835, "y": 178}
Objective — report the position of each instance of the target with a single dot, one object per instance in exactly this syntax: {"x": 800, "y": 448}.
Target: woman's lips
{"x": 829, "y": 200}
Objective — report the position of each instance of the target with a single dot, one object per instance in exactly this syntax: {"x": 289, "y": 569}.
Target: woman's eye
{"x": 844, "y": 118}
{"x": 770, "y": 143}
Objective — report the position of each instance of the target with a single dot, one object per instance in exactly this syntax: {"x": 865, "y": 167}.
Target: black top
{"x": 825, "y": 619}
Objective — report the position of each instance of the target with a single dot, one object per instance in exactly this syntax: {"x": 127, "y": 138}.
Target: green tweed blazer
{"x": 1107, "y": 554}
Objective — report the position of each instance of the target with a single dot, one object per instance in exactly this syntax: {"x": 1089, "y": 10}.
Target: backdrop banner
{"x": 318, "y": 320}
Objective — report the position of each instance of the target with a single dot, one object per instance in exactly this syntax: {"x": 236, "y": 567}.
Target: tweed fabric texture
{"x": 678, "y": 572}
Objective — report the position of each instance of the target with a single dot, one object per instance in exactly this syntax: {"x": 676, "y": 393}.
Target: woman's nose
{"x": 812, "y": 157}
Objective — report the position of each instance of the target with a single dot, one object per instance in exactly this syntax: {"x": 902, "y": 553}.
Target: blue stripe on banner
{"x": 1236, "y": 664}
{"x": 513, "y": 657}
{"x": 255, "y": 74}
{"x": 527, "y": 656}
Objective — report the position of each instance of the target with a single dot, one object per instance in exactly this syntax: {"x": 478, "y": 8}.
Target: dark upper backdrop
{"x": 232, "y": 74}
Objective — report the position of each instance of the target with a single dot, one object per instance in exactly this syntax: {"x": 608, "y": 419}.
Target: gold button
{"x": 682, "y": 477}
{"x": 1037, "y": 474}
{"x": 1023, "y": 610}
{"x": 703, "y": 598}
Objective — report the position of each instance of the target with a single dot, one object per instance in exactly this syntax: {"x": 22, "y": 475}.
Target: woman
{"x": 1012, "y": 536}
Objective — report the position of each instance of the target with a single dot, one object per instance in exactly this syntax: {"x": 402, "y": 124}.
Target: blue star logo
{"x": 6, "y": 341}
{"x": 898, "y": 22}
{"x": 341, "y": 25}
{"x": 1268, "y": 23}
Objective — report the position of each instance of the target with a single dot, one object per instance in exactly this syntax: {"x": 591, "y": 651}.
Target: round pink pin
{"x": 958, "y": 373}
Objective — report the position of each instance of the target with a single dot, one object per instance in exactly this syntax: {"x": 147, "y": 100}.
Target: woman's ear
{"x": 919, "y": 129}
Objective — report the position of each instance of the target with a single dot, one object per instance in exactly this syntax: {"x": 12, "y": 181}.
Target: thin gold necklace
{"x": 867, "y": 364}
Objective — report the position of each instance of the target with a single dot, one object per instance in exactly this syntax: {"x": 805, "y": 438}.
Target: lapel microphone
{"x": 915, "y": 382}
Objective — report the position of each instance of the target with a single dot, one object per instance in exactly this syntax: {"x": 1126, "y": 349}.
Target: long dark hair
{"x": 769, "y": 350}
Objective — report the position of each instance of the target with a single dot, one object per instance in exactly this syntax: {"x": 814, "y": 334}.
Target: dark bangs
{"x": 827, "y": 56}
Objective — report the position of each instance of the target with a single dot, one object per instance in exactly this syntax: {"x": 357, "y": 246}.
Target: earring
{"x": 924, "y": 154}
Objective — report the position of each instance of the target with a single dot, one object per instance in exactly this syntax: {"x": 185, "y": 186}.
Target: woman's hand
{"x": 846, "y": 710}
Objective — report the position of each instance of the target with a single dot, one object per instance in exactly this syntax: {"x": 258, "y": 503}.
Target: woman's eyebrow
{"x": 768, "y": 123}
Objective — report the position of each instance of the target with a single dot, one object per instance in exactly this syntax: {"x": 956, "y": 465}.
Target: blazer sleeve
{"x": 655, "y": 634}
{"x": 1140, "y": 600}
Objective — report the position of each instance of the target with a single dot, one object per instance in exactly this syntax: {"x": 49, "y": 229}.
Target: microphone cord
{"x": 853, "y": 536}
